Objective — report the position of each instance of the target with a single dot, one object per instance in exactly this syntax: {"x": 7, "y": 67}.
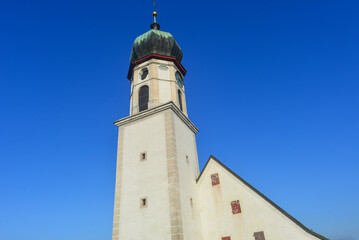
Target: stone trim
{"x": 152, "y": 111}
{"x": 173, "y": 179}
{"x": 116, "y": 212}
{"x": 196, "y": 156}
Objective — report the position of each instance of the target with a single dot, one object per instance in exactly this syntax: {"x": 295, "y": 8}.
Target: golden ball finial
{"x": 154, "y": 14}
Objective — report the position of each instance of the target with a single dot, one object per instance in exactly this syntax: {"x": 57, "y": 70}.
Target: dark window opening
{"x": 226, "y": 238}
{"x": 143, "y": 156}
{"x": 143, "y": 98}
{"x": 143, "y": 202}
{"x": 180, "y": 100}
{"x": 144, "y": 73}
{"x": 259, "y": 236}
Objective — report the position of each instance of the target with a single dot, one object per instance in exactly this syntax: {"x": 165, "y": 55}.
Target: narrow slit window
{"x": 143, "y": 156}
{"x": 187, "y": 159}
{"x": 143, "y": 97}
{"x": 143, "y": 202}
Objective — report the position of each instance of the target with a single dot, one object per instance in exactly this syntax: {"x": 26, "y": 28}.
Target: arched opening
{"x": 180, "y": 99}
{"x": 143, "y": 98}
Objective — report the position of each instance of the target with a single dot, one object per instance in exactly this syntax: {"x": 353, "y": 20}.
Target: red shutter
{"x": 236, "y": 207}
{"x": 215, "y": 179}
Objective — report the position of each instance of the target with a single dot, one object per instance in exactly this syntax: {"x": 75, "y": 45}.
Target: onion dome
{"x": 155, "y": 42}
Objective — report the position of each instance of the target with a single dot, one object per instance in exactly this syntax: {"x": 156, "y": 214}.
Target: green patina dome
{"x": 155, "y": 42}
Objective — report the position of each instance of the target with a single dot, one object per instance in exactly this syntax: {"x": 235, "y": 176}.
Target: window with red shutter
{"x": 215, "y": 179}
{"x": 236, "y": 207}
{"x": 226, "y": 238}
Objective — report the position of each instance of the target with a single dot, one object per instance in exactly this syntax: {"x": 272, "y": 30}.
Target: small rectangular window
{"x": 259, "y": 235}
{"x": 187, "y": 159}
{"x": 226, "y": 238}
{"x": 143, "y": 202}
{"x": 143, "y": 156}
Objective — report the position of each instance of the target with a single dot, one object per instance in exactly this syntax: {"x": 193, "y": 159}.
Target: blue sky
{"x": 272, "y": 86}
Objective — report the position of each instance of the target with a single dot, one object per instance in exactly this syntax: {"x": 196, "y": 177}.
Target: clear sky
{"x": 271, "y": 85}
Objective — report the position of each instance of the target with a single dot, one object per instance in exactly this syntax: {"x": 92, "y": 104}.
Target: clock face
{"x": 179, "y": 79}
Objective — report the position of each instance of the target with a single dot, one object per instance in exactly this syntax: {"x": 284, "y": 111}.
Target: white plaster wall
{"x": 162, "y": 83}
{"x": 144, "y": 179}
{"x": 257, "y": 214}
{"x": 164, "y": 91}
{"x": 188, "y": 173}
{"x": 163, "y": 74}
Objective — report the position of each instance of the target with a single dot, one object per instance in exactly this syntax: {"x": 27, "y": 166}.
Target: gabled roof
{"x": 263, "y": 196}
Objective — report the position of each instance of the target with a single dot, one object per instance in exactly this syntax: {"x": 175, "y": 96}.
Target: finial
{"x": 154, "y": 25}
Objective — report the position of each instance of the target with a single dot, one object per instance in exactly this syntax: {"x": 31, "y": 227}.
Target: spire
{"x": 154, "y": 25}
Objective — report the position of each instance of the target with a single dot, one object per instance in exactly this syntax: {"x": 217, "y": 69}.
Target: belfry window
{"x": 180, "y": 99}
{"x": 143, "y": 98}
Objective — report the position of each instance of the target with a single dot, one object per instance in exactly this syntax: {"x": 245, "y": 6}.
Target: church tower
{"x": 157, "y": 164}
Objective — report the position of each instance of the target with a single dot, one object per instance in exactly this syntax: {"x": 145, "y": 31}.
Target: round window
{"x": 144, "y": 73}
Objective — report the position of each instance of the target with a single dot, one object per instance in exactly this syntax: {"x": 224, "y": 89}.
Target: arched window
{"x": 143, "y": 98}
{"x": 180, "y": 100}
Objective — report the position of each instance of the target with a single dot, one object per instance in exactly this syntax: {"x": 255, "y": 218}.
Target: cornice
{"x": 155, "y": 110}
{"x": 156, "y": 56}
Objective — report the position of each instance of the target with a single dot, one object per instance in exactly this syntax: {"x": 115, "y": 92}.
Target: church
{"x": 160, "y": 192}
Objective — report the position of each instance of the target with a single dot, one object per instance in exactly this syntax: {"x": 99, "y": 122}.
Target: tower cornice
{"x": 152, "y": 111}
{"x": 156, "y": 56}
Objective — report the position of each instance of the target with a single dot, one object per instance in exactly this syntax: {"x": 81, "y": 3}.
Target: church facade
{"x": 160, "y": 192}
